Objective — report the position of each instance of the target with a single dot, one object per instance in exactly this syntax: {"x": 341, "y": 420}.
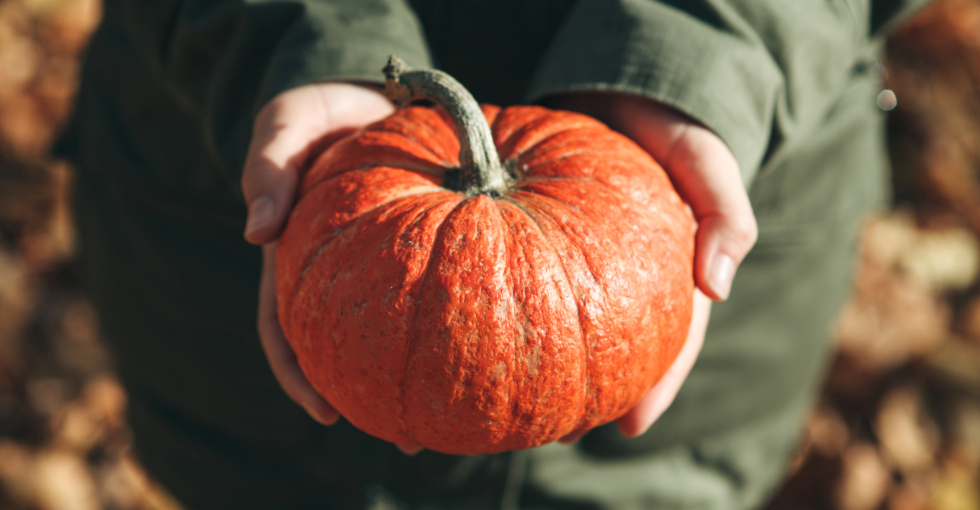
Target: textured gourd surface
{"x": 485, "y": 324}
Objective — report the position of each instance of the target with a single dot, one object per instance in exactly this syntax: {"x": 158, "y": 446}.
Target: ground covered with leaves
{"x": 898, "y": 424}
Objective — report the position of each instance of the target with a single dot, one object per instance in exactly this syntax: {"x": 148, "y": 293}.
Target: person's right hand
{"x": 706, "y": 176}
{"x": 288, "y": 132}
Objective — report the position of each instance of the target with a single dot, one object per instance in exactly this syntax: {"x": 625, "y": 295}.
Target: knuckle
{"x": 749, "y": 232}
{"x": 743, "y": 231}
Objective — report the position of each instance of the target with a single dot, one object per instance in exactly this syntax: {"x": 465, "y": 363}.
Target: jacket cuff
{"x": 720, "y": 77}
{"x": 344, "y": 41}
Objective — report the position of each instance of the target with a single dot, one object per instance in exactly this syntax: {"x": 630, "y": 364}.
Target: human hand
{"x": 706, "y": 175}
{"x": 304, "y": 121}
{"x": 291, "y": 129}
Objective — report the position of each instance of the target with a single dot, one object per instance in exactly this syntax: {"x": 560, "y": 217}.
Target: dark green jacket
{"x": 163, "y": 121}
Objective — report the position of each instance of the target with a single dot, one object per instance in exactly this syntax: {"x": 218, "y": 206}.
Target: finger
{"x": 706, "y": 174}
{"x": 294, "y": 126}
{"x": 409, "y": 450}
{"x": 270, "y": 173}
{"x": 637, "y": 420}
{"x": 281, "y": 357}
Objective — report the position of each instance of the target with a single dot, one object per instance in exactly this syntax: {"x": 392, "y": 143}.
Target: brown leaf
{"x": 966, "y": 432}
{"x": 46, "y": 480}
{"x": 971, "y": 319}
{"x": 865, "y": 479}
{"x": 892, "y": 317}
{"x": 76, "y": 429}
{"x": 62, "y": 482}
{"x": 908, "y": 436}
{"x": 957, "y": 488}
{"x": 943, "y": 260}
{"x": 18, "y": 298}
{"x": 827, "y": 432}
{"x": 908, "y": 496}
{"x": 956, "y": 364}
{"x": 47, "y": 395}
{"x": 15, "y": 463}
{"x": 105, "y": 398}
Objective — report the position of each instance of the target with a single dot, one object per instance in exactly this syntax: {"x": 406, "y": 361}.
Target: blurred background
{"x": 898, "y": 424}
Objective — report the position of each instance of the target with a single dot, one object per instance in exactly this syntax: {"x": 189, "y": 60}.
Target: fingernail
{"x": 259, "y": 214}
{"x": 328, "y": 420}
{"x": 410, "y": 450}
{"x": 323, "y": 413}
{"x": 722, "y": 272}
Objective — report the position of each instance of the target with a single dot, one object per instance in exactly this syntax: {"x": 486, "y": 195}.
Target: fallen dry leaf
{"x": 15, "y": 461}
{"x": 76, "y": 429}
{"x": 958, "y": 488}
{"x": 892, "y": 315}
{"x": 890, "y": 319}
{"x": 905, "y": 496}
{"x": 105, "y": 398}
{"x": 943, "y": 260}
{"x": 865, "y": 478}
{"x": 970, "y": 320}
{"x": 61, "y": 481}
{"x": 909, "y": 438}
{"x": 826, "y": 432}
{"x": 885, "y": 239}
{"x": 966, "y": 432}
{"x": 18, "y": 298}
{"x": 956, "y": 364}
{"x": 46, "y": 395}
{"x": 47, "y": 479}
{"x": 124, "y": 484}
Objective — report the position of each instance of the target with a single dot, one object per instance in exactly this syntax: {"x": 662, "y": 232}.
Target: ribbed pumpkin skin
{"x": 481, "y": 325}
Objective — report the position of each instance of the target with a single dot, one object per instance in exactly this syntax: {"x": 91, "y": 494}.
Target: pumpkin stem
{"x": 480, "y": 167}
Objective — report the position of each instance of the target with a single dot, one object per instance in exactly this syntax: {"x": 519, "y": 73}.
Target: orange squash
{"x": 439, "y": 295}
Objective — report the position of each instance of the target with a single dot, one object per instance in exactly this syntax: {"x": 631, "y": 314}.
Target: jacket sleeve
{"x": 221, "y": 61}
{"x": 760, "y": 74}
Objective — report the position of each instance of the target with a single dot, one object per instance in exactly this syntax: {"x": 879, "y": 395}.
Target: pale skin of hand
{"x": 303, "y": 121}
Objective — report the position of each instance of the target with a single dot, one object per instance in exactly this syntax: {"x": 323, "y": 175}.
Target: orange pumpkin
{"x": 434, "y": 302}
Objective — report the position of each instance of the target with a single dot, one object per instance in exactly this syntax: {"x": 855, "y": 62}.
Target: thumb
{"x": 293, "y": 126}
{"x": 270, "y": 173}
{"x": 707, "y": 175}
